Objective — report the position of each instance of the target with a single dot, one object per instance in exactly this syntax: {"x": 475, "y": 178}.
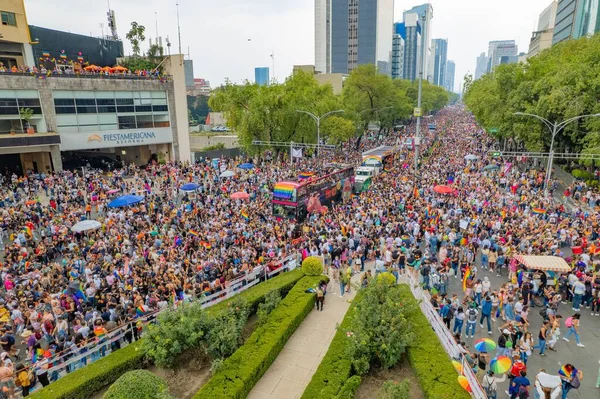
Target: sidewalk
{"x": 293, "y": 369}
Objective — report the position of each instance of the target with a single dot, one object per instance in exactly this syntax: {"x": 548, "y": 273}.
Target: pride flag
{"x": 467, "y": 275}
{"x": 538, "y": 211}
{"x": 194, "y": 233}
{"x": 245, "y": 215}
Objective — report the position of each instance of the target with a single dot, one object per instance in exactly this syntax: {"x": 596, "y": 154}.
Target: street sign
{"x": 496, "y": 154}
{"x": 417, "y": 111}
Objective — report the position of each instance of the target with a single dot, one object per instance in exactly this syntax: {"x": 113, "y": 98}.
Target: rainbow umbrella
{"x": 568, "y": 370}
{"x": 500, "y": 364}
{"x": 457, "y": 366}
{"x": 462, "y": 380}
{"x": 485, "y": 345}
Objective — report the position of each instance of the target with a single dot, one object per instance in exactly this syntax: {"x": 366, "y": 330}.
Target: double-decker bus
{"x": 290, "y": 199}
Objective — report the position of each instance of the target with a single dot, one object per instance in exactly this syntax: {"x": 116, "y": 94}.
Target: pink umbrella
{"x": 113, "y": 191}
{"x": 240, "y": 195}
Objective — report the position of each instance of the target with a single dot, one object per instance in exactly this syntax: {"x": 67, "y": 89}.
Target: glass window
{"x": 160, "y": 108}
{"x": 128, "y": 108}
{"x": 86, "y": 110}
{"x": 124, "y": 101}
{"x": 158, "y": 94}
{"x": 127, "y": 122}
{"x": 105, "y": 101}
{"x": 143, "y": 108}
{"x": 26, "y": 94}
{"x": 9, "y": 111}
{"x": 87, "y": 119}
{"x": 104, "y": 119}
{"x": 7, "y": 94}
{"x": 62, "y": 94}
{"x": 144, "y": 121}
{"x": 63, "y": 101}
{"x": 36, "y": 110}
{"x": 65, "y": 110}
{"x": 84, "y": 94}
{"x": 8, "y": 18}
{"x": 159, "y": 101}
{"x": 8, "y": 102}
{"x": 123, "y": 94}
{"x": 105, "y": 94}
{"x": 107, "y": 109}
{"x": 66, "y": 120}
{"x": 32, "y": 102}
{"x": 85, "y": 101}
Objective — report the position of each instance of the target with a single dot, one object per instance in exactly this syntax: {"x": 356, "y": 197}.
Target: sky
{"x": 227, "y": 39}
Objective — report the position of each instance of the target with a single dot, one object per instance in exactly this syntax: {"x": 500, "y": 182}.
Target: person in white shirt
{"x": 547, "y": 385}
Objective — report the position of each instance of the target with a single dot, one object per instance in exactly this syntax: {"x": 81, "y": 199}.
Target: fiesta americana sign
{"x": 122, "y": 138}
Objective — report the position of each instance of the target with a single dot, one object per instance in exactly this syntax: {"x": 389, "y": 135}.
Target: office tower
{"x": 481, "y": 67}
{"x": 587, "y": 18}
{"x": 565, "y": 20}
{"x": 261, "y": 76}
{"x": 412, "y": 47}
{"x": 398, "y": 41}
{"x": 450, "y": 72}
{"x": 440, "y": 57}
{"x": 349, "y": 33}
{"x": 541, "y": 39}
{"x": 425, "y": 13}
{"x": 498, "y": 49}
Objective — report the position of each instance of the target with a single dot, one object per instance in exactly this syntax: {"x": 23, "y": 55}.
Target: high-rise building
{"x": 450, "y": 72}
{"x": 398, "y": 44}
{"x": 498, "y": 49}
{"x": 15, "y": 47}
{"x": 587, "y": 18}
{"x": 348, "y": 35}
{"x": 425, "y": 13}
{"x": 440, "y": 58}
{"x": 565, "y": 20}
{"x": 541, "y": 39}
{"x": 481, "y": 67}
{"x": 412, "y": 47}
{"x": 261, "y": 76}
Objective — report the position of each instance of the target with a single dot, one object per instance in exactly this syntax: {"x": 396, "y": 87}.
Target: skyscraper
{"x": 349, "y": 33}
{"x": 498, "y": 49}
{"x": 261, "y": 76}
{"x": 481, "y": 67}
{"x": 412, "y": 47}
{"x": 398, "y": 42}
{"x": 440, "y": 57}
{"x": 565, "y": 20}
{"x": 425, "y": 13}
{"x": 450, "y": 72}
{"x": 587, "y": 18}
{"x": 541, "y": 39}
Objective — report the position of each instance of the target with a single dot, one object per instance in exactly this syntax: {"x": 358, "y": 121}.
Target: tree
{"x": 136, "y": 35}
{"x": 337, "y": 129}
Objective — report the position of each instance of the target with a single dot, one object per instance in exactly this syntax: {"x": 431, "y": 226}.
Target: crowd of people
{"x": 63, "y": 290}
{"x": 53, "y": 69}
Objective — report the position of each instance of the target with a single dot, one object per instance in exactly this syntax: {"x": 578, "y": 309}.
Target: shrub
{"x": 380, "y": 331}
{"x": 84, "y": 382}
{"x": 312, "y": 266}
{"x": 428, "y": 358}
{"x": 394, "y": 390}
{"x": 350, "y": 387}
{"x": 138, "y": 384}
{"x": 240, "y": 372}
{"x": 386, "y": 278}
{"x": 265, "y": 308}
{"x": 335, "y": 368}
{"x": 224, "y": 334}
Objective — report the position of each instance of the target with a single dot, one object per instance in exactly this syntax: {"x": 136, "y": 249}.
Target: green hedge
{"x": 350, "y": 387}
{"x": 240, "y": 372}
{"x": 84, "y": 382}
{"x": 429, "y": 359}
{"x": 335, "y": 368}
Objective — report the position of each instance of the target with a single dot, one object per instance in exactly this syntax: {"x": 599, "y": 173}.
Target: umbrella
{"x": 246, "y": 166}
{"x": 113, "y": 191}
{"x": 106, "y": 69}
{"x": 125, "y": 200}
{"x": 119, "y": 68}
{"x": 457, "y": 366}
{"x": 462, "y": 380}
{"x": 92, "y": 68}
{"x": 471, "y": 157}
{"x": 485, "y": 345}
{"x": 227, "y": 173}
{"x": 491, "y": 166}
{"x": 30, "y": 202}
{"x": 189, "y": 187}
{"x": 240, "y": 195}
{"x": 441, "y": 189}
{"x": 86, "y": 225}
{"x": 500, "y": 364}
{"x": 568, "y": 370}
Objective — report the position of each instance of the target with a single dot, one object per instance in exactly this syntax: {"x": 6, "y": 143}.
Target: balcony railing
{"x": 89, "y": 75}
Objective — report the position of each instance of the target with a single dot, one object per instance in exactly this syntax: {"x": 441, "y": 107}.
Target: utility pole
{"x": 421, "y": 67}
{"x": 318, "y": 121}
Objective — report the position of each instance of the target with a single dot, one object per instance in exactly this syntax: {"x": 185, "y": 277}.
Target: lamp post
{"x": 318, "y": 121}
{"x": 555, "y": 128}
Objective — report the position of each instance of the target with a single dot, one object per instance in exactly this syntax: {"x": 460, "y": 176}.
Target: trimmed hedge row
{"x": 242, "y": 370}
{"x": 336, "y": 368}
{"x": 82, "y": 383}
{"x": 429, "y": 360}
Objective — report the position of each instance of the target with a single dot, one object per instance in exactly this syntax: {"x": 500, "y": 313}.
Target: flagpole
{"x": 291, "y": 153}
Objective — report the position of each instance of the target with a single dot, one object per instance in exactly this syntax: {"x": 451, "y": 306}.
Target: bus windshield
{"x": 284, "y": 211}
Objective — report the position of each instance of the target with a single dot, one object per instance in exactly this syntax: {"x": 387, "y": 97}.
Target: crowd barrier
{"x": 445, "y": 336}
{"x": 68, "y": 362}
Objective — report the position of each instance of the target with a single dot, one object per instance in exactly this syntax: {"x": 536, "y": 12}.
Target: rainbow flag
{"x": 284, "y": 190}
{"x": 465, "y": 278}
{"x": 245, "y": 215}
{"x": 140, "y": 310}
{"x": 503, "y": 214}
{"x": 538, "y": 211}
{"x": 28, "y": 231}
{"x": 194, "y": 233}
{"x": 416, "y": 193}
{"x": 206, "y": 244}
{"x": 45, "y": 54}
{"x": 305, "y": 175}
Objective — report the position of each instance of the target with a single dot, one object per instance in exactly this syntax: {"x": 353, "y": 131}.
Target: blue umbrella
{"x": 125, "y": 200}
{"x": 246, "y": 166}
{"x": 189, "y": 187}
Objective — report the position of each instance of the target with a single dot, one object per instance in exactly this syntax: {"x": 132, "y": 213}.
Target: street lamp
{"x": 318, "y": 120}
{"x": 555, "y": 128}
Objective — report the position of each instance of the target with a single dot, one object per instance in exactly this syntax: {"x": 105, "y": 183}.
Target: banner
{"x": 297, "y": 152}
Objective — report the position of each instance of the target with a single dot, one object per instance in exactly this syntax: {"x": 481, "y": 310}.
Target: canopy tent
{"x": 471, "y": 157}
{"x": 227, "y": 173}
{"x": 491, "y": 166}
{"x": 125, "y": 200}
{"x": 92, "y": 68}
{"x": 85, "y": 225}
{"x": 442, "y": 189}
{"x": 246, "y": 166}
{"x": 240, "y": 195}
{"x": 546, "y": 263}
{"x": 189, "y": 187}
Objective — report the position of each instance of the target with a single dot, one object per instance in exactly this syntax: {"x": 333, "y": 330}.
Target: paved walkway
{"x": 293, "y": 369}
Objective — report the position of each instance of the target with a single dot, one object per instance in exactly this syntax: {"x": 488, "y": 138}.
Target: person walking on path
{"x": 490, "y": 384}
{"x": 320, "y": 297}
{"x": 572, "y": 323}
{"x": 471, "y": 320}
{"x": 543, "y": 337}
{"x": 486, "y": 313}
{"x": 459, "y": 319}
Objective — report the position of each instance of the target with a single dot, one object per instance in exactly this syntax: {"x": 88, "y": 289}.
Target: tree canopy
{"x": 269, "y": 113}
{"x": 561, "y": 82}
